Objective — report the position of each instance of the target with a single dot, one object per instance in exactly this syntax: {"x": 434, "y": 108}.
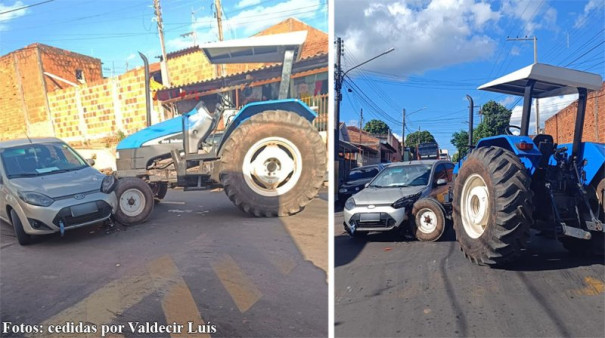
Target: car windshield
{"x": 40, "y": 159}
{"x": 403, "y": 176}
{"x": 360, "y": 174}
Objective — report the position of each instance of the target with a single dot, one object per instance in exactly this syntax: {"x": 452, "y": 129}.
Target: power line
{"x": 24, "y": 7}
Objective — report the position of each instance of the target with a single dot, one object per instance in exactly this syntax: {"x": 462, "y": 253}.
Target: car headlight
{"x": 108, "y": 184}
{"x": 405, "y": 202}
{"x": 341, "y": 190}
{"x": 36, "y": 198}
{"x": 350, "y": 203}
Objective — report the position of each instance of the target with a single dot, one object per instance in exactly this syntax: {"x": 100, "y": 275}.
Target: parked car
{"x": 357, "y": 179}
{"x": 414, "y": 193}
{"x": 47, "y": 187}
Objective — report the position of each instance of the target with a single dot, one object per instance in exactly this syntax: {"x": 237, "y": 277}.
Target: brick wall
{"x": 64, "y": 63}
{"x": 188, "y": 68}
{"x": 561, "y": 125}
{"x": 12, "y": 119}
{"x": 101, "y": 110}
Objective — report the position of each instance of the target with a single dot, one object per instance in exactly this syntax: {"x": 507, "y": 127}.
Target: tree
{"x": 417, "y": 137}
{"x": 496, "y": 118}
{"x": 376, "y": 127}
{"x": 455, "y": 157}
{"x": 460, "y": 141}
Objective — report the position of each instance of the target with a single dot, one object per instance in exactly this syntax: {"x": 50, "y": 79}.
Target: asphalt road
{"x": 198, "y": 259}
{"x": 386, "y": 286}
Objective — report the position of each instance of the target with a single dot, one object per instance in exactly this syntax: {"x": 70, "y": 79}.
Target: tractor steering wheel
{"x": 509, "y": 129}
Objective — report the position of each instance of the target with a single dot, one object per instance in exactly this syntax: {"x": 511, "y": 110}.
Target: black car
{"x": 357, "y": 179}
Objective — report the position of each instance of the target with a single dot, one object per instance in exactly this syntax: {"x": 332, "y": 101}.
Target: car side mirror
{"x": 90, "y": 161}
{"x": 441, "y": 181}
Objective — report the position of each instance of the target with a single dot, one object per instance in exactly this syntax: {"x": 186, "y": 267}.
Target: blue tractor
{"x": 269, "y": 158}
{"x": 511, "y": 183}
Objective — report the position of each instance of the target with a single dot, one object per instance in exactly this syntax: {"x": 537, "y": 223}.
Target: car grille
{"x": 103, "y": 211}
{"x": 386, "y": 221}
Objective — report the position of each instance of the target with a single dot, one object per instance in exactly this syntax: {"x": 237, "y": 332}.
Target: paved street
{"x": 198, "y": 259}
{"x": 386, "y": 287}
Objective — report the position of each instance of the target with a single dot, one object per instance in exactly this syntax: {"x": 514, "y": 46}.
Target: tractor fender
{"x": 251, "y": 109}
{"x": 529, "y": 158}
{"x": 593, "y": 153}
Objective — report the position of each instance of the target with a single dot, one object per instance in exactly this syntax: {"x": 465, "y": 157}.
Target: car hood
{"x": 61, "y": 184}
{"x": 379, "y": 196}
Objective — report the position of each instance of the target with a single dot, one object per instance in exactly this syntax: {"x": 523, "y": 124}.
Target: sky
{"x": 114, "y": 30}
{"x": 445, "y": 49}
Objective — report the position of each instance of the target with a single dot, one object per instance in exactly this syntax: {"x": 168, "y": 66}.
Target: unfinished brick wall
{"x": 12, "y": 119}
{"x": 188, "y": 68}
{"x": 100, "y": 110}
{"x": 561, "y": 125}
{"x": 64, "y": 63}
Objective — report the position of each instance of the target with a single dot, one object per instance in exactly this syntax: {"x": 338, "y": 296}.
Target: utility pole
{"x": 219, "y": 22}
{"x": 163, "y": 64}
{"x": 535, "y": 40}
{"x": 360, "y": 126}
{"x": 403, "y": 135}
{"x": 338, "y": 96}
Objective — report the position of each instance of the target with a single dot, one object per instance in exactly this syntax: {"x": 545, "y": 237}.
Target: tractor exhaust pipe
{"x": 470, "y": 122}
{"x": 577, "y": 134}
{"x": 147, "y": 94}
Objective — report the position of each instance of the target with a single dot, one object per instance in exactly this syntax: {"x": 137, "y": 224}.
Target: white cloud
{"x": 130, "y": 57}
{"x": 5, "y": 18}
{"x": 508, "y": 100}
{"x": 548, "y": 107}
{"x": 246, "y": 3}
{"x": 425, "y": 34}
{"x": 532, "y": 14}
{"x": 515, "y": 51}
{"x": 591, "y": 5}
{"x": 249, "y": 21}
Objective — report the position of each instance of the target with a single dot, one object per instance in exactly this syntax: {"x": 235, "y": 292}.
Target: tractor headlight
{"x": 350, "y": 203}
{"x": 109, "y": 183}
{"x": 35, "y": 198}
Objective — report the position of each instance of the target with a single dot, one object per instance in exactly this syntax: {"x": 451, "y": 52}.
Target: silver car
{"x": 389, "y": 199}
{"x": 47, "y": 187}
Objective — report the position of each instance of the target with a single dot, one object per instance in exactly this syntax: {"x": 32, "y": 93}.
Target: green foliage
{"x": 120, "y": 135}
{"x": 455, "y": 157}
{"x": 417, "y": 137}
{"x": 376, "y": 127}
{"x": 496, "y": 118}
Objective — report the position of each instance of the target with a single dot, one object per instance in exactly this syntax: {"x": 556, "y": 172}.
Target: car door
{"x": 440, "y": 192}
{"x": 3, "y": 194}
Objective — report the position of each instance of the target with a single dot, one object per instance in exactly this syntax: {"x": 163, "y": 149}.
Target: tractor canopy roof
{"x": 257, "y": 49}
{"x": 550, "y": 81}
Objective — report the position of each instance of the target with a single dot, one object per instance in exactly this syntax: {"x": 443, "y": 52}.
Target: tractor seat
{"x": 546, "y": 146}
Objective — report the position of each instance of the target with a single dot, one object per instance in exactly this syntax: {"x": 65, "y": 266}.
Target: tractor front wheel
{"x": 273, "y": 164}
{"x": 492, "y": 206}
{"x": 135, "y": 201}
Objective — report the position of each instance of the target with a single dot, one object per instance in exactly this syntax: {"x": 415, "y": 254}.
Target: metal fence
{"x": 319, "y": 104}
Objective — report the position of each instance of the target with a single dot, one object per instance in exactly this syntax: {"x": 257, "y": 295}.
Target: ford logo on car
{"x": 79, "y": 196}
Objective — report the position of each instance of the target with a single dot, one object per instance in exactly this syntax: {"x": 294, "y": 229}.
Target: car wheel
{"x": 22, "y": 237}
{"x": 135, "y": 201}
{"x": 429, "y": 220}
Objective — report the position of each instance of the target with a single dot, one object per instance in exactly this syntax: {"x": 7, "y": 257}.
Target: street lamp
{"x": 339, "y": 77}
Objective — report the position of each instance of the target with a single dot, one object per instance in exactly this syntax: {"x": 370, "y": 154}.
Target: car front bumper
{"x": 379, "y": 218}
{"x": 73, "y": 213}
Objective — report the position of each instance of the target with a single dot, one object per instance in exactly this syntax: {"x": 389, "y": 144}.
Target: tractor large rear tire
{"x": 273, "y": 164}
{"x": 492, "y": 206}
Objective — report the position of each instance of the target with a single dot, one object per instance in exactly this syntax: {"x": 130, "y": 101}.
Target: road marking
{"x": 593, "y": 287}
{"x": 241, "y": 289}
{"x": 282, "y": 261}
{"x": 178, "y": 303}
{"x": 110, "y": 301}
{"x": 172, "y": 202}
